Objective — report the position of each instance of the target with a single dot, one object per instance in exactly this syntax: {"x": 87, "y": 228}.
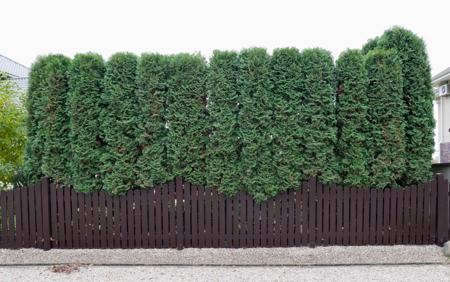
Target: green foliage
{"x": 352, "y": 104}
{"x": 55, "y": 123}
{"x": 153, "y": 87}
{"x": 287, "y": 132}
{"x": 386, "y": 110}
{"x": 255, "y": 123}
{"x": 248, "y": 121}
{"x": 86, "y": 88}
{"x": 186, "y": 116}
{"x": 35, "y": 108}
{"x": 223, "y": 166}
{"x": 370, "y": 45}
{"x": 119, "y": 120}
{"x": 12, "y": 131}
{"x": 418, "y": 96}
{"x": 318, "y": 117}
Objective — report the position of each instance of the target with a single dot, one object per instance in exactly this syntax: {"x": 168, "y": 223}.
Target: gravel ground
{"x": 335, "y": 255}
{"x": 229, "y": 273}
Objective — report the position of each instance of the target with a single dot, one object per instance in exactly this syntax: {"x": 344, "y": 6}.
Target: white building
{"x": 16, "y": 72}
{"x": 441, "y": 84}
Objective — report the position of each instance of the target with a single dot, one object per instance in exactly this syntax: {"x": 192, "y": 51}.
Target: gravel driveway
{"x": 333, "y": 255}
{"x": 230, "y": 273}
{"x": 337, "y": 263}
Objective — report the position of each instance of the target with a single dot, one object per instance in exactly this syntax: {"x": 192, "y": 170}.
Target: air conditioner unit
{"x": 443, "y": 90}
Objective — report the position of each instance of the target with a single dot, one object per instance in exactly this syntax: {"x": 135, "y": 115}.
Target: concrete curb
{"x": 320, "y": 256}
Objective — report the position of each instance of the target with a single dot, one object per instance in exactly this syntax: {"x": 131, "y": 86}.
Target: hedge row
{"x": 247, "y": 120}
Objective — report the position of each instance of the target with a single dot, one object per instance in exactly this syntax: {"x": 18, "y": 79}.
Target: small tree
{"x": 255, "y": 123}
{"x": 12, "y": 131}
{"x": 119, "y": 123}
{"x": 34, "y": 122}
{"x": 86, "y": 88}
{"x": 318, "y": 118}
{"x": 352, "y": 104}
{"x": 55, "y": 123}
{"x": 386, "y": 139}
{"x": 153, "y": 87}
{"x": 223, "y": 167}
{"x": 418, "y": 97}
{"x": 287, "y": 132}
{"x": 186, "y": 117}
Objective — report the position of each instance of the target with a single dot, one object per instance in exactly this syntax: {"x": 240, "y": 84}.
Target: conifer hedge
{"x": 223, "y": 166}
{"x": 418, "y": 96}
{"x": 186, "y": 117}
{"x": 118, "y": 123}
{"x": 247, "y": 121}
{"x": 255, "y": 123}
{"x": 153, "y": 87}
{"x": 318, "y": 117}
{"x": 352, "y": 123}
{"x": 55, "y": 123}
{"x": 84, "y": 105}
{"x": 35, "y": 132}
{"x": 386, "y": 137}
{"x": 287, "y": 132}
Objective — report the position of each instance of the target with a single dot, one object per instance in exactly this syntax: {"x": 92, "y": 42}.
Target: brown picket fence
{"x": 181, "y": 215}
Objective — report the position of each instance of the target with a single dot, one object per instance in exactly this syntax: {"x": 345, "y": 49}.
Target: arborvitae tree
{"x": 35, "y": 107}
{"x": 370, "y": 45}
{"x": 119, "y": 123}
{"x": 418, "y": 96}
{"x": 223, "y": 167}
{"x": 386, "y": 140}
{"x": 86, "y": 88}
{"x": 186, "y": 117}
{"x": 255, "y": 123}
{"x": 351, "y": 116}
{"x": 56, "y": 154}
{"x": 153, "y": 75}
{"x": 287, "y": 131}
{"x": 318, "y": 117}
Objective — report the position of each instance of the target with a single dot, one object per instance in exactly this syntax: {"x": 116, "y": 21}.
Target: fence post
{"x": 46, "y": 212}
{"x": 442, "y": 210}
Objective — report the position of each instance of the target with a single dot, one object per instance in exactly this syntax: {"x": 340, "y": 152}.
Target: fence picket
{"x": 312, "y": 211}
{"x": 400, "y": 213}
{"x": 25, "y": 217}
{"x": 102, "y": 213}
{"x": 4, "y": 232}
{"x": 179, "y": 213}
{"x": 187, "y": 215}
{"x": 420, "y": 211}
{"x": 194, "y": 216}
{"x": 11, "y": 219}
{"x": 137, "y": 196}
{"x": 359, "y": 216}
{"x": 339, "y": 216}
{"x": 413, "y": 227}
{"x": 366, "y": 220}
{"x": 426, "y": 216}
{"x": 67, "y": 216}
{"x": 75, "y": 217}
{"x": 215, "y": 218}
{"x": 130, "y": 219}
{"x": 393, "y": 216}
{"x": 433, "y": 214}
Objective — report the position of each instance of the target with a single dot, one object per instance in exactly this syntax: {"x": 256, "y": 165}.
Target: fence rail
{"x": 180, "y": 215}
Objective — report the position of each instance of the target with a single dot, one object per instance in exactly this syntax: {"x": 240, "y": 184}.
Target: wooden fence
{"x": 181, "y": 215}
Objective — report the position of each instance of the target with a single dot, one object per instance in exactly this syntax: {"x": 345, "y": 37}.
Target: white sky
{"x": 30, "y": 28}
